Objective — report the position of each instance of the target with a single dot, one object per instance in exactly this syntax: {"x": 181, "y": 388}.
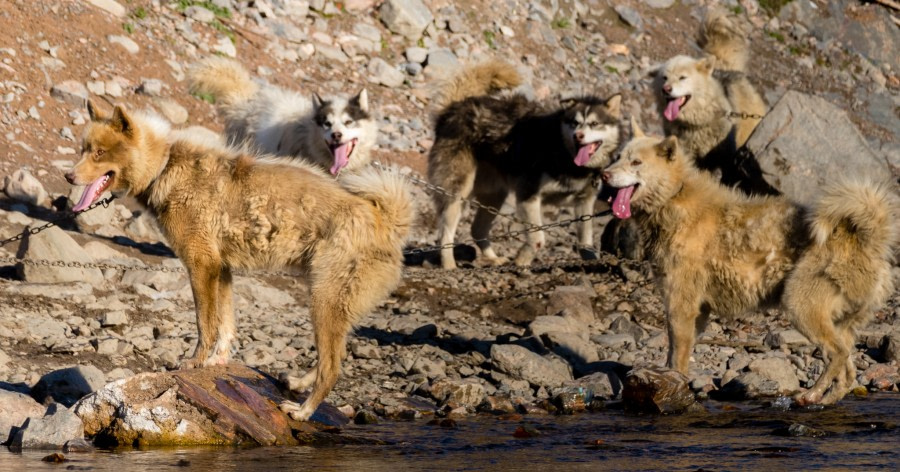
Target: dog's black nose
{"x": 667, "y": 89}
{"x": 605, "y": 176}
{"x": 70, "y": 177}
{"x": 337, "y": 135}
{"x": 579, "y": 136}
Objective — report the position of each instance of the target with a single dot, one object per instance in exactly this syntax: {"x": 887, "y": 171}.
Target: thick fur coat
{"x": 223, "y": 210}
{"x": 720, "y": 252}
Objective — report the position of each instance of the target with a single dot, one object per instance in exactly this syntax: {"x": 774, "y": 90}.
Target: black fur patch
{"x": 353, "y": 110}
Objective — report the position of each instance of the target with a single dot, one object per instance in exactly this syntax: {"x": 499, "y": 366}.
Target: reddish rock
{"x": 657, "y": 391}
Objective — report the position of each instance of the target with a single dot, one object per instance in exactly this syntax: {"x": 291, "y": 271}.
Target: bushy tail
{"x": 390, "y": 192}
{"x": 721, "y": 38}
{"x": 472, "y": 81}
{"x": 870, "y": 211}
{"x": 224, "y": 79}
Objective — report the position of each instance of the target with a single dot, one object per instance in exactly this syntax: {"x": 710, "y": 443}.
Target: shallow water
{"x": 861, "y": 434}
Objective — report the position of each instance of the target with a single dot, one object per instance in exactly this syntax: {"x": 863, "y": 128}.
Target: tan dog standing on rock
{"x": 722, "y": 252}
{"x": 223, "y": 210}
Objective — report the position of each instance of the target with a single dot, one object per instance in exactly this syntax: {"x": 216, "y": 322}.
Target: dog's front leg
{"x": 225, "y": 329}
{"x": 585, "y": 206}
{"x": 205, "y": 278}
{"x": 530, "y": 211}
{"x": 683, "y": 306}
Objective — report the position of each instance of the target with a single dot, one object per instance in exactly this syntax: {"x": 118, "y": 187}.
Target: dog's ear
{"x": 706, "y": 65}
{"x": 668, "y": 148}
{"x": 567, "y": 102}
{"x": 635, "y": 129}
{"x": 317, "y": 101}
{"x": 121, "y": 121}
{"x": 614, "y": 105}
{"x": 361, "y": 100}
{"x": 95, "y": 113}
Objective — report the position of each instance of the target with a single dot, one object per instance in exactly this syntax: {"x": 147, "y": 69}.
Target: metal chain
{"x": 744, "y": 116}
{"x": 104, "y": 203}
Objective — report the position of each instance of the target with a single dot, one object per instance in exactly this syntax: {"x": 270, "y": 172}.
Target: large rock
{"x": 95, "y": 218}
{"x": 380, "y": 72}
{"x": 657, "y": 391}
{"x": 110, "y": 6}
{"x": 54, "y": 244}
{"x": 605, "y": 385}
{"x": 15, "y": 408}
{"x": 524, "y": 364}
{"x": 72, "y": 92}
{"x": 24, "y": 187}
{"x": 556, "y": 324}
{"x": 49, "y": 432}
{"x": 805, "y": 141}
{"x": 458, "y": 393}
{"x": 572, "y": 301}
{"x": 230, "y": 404}
{"x": 67, "y": 386}
{"x": 778, "y": 370}
{"x": 406, "y": 17}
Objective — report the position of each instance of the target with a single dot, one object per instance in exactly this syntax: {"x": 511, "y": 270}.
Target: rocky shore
{"x": 561, "y": 337}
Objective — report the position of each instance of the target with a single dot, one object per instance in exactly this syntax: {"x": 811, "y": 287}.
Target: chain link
{"x": 744, "y": 116}
{"x": 37, "y": 229}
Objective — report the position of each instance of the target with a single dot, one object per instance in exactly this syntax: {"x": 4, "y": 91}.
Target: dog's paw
{"x": 496, "y": 261}
{"x": 295, "y": 410}
{"x": 809, "y": 397}
{"x": 190, "y": 363}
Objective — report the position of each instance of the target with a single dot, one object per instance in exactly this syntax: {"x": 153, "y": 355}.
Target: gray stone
{"x": 458, "y": 393}
{"x": 67, "y": 386}
{"x": 524, "y": 364}
{"x": 55, "y": 245}
{"x": 70, "y": 91}
{"x": 572, "y": 347}
{"x": 798, "y": 155}
{"x": 24, "y": 187}
{"x": 114, "y": 318}
{"x": 430, "y": 368}
{"x": 331, "y": 53}
{"x": 144, "y": 228}
{"x": 605, "y": 385}
{"x": 788, "y": 337}
{"x": 657, "y": 391}
{"x": 573, "y": 301}
{"x": 262, "y": 294}
{"x": 623, "y": 325}
{"x": 49, "y": 432}
{"x": 749, "y": 385}
{"x": 125, "y": 42}
{"x": 892, "y": 347}
{"x": 416, "y": 54}
{"x": 441, "y": 64}
{"x": 365, "y": 351}
{"x": 406, "y": 17}
{"x": 199, "y": 13}
{"x": 613, "y": 341}
{"x": 367, "y": 31}
{"x": 225, "y": 46}
{"x": 380, "y": 72}
{"x": 110, "y": 6}
{"x": 15, "y": 408}
{"x": 96, "y": 87}
{"x": 152, "y": 87}
{"x": 630, "y": 16}
{"x": 559, "y": 324}
{"x": 779, "y": 370}
{"x": 658, "y": 3}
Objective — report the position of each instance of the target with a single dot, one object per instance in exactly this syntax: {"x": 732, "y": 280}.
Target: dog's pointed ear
{"x": 121, "y": 121}
{"x": 567, "y": 102}
{"x": 614, "y": 105}
{"x": 635, "y": 129}
{"x": 317, "y": 101}
{"x": 95, "y": 113}
{"x": 668, "y": 148}
{"x": 362, "y": 100}
{"x": 706, "y": 65}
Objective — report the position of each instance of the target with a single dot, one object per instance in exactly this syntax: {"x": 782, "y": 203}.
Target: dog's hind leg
{"x": 451, "y": 212}
{"x": 484, "y": 220}
{"x": 815, "y": 322}
{"x": 530, "y": 211}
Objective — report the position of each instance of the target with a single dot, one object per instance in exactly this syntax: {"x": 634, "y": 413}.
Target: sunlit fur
{"x": 721, "y": 252}
{"x": 222, "y": 210}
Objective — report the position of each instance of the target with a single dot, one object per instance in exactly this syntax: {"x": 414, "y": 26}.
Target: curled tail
{"x": 866, "y": 210}
{"x": 224, "y": 79}
{"x": 390, "y": 193}
{"x": 475, "y": 80}
{"x": 722, "y": 39}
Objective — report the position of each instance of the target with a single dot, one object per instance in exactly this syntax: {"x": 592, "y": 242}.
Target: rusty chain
{"x": 744, "y": 116}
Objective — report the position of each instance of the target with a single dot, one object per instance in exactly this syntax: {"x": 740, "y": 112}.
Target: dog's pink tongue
{"x": 672, "y": 109}
{"x": 584, "y": 155}
{"x": 621, "y": 206}
{"x": 341, "y": 157}
{"x": 90, "y": 194}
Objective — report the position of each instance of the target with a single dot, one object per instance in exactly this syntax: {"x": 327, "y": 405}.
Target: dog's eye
{"x": 636, "y": 162}
{"x": 666, "y": 78}
{"x": 327, "y": 124}
{"x": 99, "y": 153}
{"x": 348, "y": 122}
{"x": 593, "y": 124}
{"x": 682, "y": 77}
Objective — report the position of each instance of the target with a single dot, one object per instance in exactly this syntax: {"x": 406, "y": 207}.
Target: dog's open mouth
{"x": 621, "y": 204}
{"x": 342, "y": 153}
{"x": 674, "y": 106}
{"x": 93, "y": 191}
{"x": 585, "y": 152}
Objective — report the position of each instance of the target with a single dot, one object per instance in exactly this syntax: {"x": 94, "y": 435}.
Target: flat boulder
{"x": 657, "y": 391}
{"x": 805, "y": 141}
{"x": 222, "y": 405}
{"x": 15, "y": 408}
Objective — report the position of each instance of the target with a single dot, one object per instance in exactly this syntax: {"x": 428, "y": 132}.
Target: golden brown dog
{"x": 721, "y": 252}
{"x": 223, "y": 210}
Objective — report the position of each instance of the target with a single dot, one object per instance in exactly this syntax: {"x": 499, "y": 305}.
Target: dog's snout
{"x": 337, "y": 135}
{"x": 579, "y": 136}
{"x": 605, "y": 176}
{"x": 667, "y": 88}
{"x": 70, "y": 177}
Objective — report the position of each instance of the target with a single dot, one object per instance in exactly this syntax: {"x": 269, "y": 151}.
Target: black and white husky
{"x": 491, "y": 145}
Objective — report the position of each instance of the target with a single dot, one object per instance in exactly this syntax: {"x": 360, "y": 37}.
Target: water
{"x": 862, "y": 434}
